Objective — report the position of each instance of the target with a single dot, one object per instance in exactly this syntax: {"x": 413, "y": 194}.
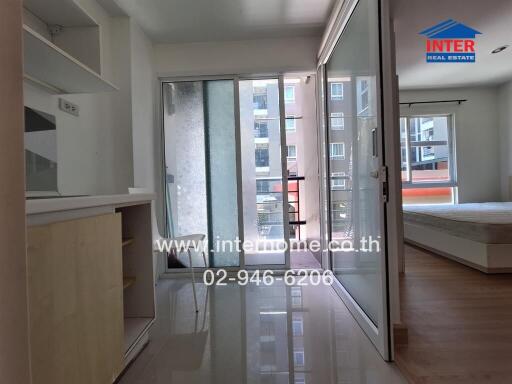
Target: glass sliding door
{"x": 185, "y": 163}
{"x": 221, "y": 151}
{"x": 225, "y": 162}
{"x": 201, "y": 168}
{"x": 264, "y": 193}
{"x": 355, "y": 172}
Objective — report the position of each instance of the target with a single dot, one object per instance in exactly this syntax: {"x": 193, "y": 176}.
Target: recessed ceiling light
{"x": 500, "y": 49}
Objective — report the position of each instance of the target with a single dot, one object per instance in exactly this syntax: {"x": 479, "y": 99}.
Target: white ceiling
{"x": 179, "y": 21}
{"x": 491, "y": 17}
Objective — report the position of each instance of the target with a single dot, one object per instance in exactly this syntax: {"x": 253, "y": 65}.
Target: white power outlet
{"x": 69, "y": 107}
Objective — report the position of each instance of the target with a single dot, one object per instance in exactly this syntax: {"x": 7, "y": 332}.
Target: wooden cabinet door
{"x": 75, "y": 288}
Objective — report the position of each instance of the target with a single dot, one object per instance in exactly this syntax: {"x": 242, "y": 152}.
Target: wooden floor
{"x": 459, "y": 322}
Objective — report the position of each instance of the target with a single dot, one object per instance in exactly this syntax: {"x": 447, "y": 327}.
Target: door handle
{"x": 374, "y": 143}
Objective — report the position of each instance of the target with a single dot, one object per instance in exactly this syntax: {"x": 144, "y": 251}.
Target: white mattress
{"x": 489, "y": 223}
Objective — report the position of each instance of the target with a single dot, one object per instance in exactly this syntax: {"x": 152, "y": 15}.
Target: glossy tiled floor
{"x": 303, "y": 259}
{"x": 256, "y": 334}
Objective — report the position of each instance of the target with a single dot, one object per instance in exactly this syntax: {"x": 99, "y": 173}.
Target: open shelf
{"x": 66, "y": 13}
{"x": 128, "y": 281}
{"x": 133, "y": 328}
{"x": 138, "y": 281}
{"x": 49, "y": 65}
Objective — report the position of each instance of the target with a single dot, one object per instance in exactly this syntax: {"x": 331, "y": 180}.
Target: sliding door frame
{"x": 381, "y": 335}
{"x": 282, "y": 121}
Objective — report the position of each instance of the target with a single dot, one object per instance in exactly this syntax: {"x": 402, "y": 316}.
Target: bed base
{"x": 487, "y": 258}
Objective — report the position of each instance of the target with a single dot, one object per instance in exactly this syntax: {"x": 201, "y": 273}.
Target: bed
{"x": 476, "y": 234}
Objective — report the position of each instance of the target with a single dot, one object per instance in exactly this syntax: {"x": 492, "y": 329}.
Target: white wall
{"x": 237, "y": 57}
{"x": 505, "y": 124}
{"x": 143, "y": 82}
{"x": 476, "y": 136}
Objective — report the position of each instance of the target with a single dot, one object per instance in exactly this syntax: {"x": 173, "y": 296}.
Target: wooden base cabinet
{"x": 75, "y": 288}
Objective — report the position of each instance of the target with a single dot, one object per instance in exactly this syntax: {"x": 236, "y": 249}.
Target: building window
{"x": 337, "y": 121}
{"x": 338, "y": 181}
{"x": 298, "y": 327}
{"x": 290, "y": 124}
{"x": 336, "y": 91}
{"x": 296, "y": 293}
{"x": 341, "y": 218}
{"x": 363, "y": 100}
{"x": 262, "y": 186}
{"x": 260, "y": 98}
{"x": 291, "y": 152}
{"x": 289, "y": 94}
{"x": 337, "y": 151}
{"x": 261, "y": 154}
{"x": 298, "y": 357}
{"x": 260, "y": 129}
{"x": 428, "y": 167}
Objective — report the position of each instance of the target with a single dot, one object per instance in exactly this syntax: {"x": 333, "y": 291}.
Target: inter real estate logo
{"x": 450, "y": 42}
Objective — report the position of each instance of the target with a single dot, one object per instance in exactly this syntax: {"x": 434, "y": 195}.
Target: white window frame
{"x": 340, "y": 156}
{"x": 287, "y": 99}
{"x": 338, "y": 117}
{"x": 292, "y": 129}
{"x": 336, "y": 96}
{"x": 451, "y": 152}
{"x": 342, "y": 182}
{"x": 288, "y": 157}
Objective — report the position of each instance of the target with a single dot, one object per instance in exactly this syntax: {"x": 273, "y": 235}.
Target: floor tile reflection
{"x": 256, "y": 334}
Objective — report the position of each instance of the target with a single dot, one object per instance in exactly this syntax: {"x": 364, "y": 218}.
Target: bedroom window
{"x": 428, "y": 152}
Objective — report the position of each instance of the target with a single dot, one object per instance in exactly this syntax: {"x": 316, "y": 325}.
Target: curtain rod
{"x": 458, "y": 101}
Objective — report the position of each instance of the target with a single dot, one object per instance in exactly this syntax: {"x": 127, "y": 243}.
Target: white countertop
{"x": 36, "y": 206}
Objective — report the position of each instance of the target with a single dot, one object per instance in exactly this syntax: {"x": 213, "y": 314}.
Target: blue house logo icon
{"x": 450, "y": 42}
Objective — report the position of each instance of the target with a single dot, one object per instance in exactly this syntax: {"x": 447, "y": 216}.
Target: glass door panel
{"x": 201, "y": 183}
{"x": 221, "y": 150}
{"x": 262, "y": 172}
{"x": 185, "y": 163}
{"x": 357, "y": 209}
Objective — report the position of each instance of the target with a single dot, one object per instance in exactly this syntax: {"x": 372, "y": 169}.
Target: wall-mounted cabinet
{"x": 62, "y": 47}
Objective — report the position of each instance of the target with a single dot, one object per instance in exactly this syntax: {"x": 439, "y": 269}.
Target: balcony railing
{"x": 270, "y": 207}
{"x": 296, "y": 219}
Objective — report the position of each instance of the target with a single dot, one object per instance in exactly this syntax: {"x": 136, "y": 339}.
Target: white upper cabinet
{"x": 62, "y": 48}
